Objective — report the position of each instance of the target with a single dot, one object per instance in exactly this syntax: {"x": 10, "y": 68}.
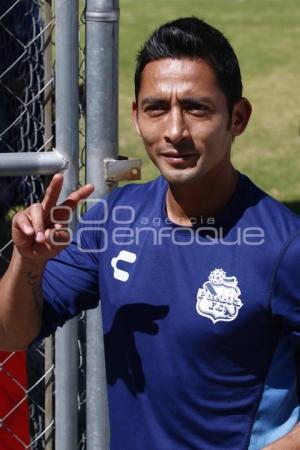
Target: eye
{"x": 155, "y": 109}
{"x": 198, "y": 109}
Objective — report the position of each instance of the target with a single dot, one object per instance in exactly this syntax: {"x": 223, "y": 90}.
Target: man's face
{"x": 182, "y": 117}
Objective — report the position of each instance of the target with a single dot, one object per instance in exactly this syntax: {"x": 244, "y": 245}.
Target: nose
{"x": 176, "y": 129}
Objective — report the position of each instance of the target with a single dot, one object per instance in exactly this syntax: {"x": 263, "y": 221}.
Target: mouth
{"x": 176, "y": 158}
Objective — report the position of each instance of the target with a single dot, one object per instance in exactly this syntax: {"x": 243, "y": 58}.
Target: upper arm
{"x": 285, "y": 299}
{"x": 70, "y": 282}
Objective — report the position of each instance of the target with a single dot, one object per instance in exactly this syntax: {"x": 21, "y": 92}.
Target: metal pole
{"x": 101, "y": 142}
{"x": 47, "y": 56}
{"x": 32, "y": 163}
{"x": 48, "y": 136}
{"x": 67, "y": 111}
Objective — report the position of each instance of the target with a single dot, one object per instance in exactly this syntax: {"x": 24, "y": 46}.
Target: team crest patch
{"x": 219, "y": 297}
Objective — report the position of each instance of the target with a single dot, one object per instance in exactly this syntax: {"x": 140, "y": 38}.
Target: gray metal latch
{"x": 121, "y": 169}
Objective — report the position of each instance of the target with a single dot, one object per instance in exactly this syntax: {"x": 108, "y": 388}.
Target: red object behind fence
{"x": 14, "y": 430}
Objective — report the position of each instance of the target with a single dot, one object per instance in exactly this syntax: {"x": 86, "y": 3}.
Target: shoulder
{"x": 138, "y": 192}
{"x": 278, "y": 221}
{"x": 139, "y": 196}
{"x": 281, "y": 245}
{"x": 285, "y": 287}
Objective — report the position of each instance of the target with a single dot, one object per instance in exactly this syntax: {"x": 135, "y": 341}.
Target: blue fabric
{"x": 279, "y": 409}
{"x": 192, "y": 322}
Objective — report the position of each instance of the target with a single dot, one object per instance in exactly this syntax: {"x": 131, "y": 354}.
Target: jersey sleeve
{"x": 285, "y": 292}
{"x": 70, "y": 283}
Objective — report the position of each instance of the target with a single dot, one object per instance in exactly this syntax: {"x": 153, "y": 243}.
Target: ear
{"x": 240, "y": 116}
{"x": 134, "y": 115}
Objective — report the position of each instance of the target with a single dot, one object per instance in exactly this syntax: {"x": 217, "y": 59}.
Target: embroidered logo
{"x": 219, "y": 297}
{"x": 125, "y": 256}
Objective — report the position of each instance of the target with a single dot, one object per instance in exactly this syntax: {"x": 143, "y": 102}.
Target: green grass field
{"x": 265, "y": 35}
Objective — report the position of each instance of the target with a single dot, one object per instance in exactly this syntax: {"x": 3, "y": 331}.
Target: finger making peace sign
{"x": 39, "y": 231}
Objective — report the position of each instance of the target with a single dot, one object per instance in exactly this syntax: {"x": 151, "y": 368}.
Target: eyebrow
{"x": 153, "y": 101}
{"x": 196, "y": 101}
{"x": 184, "y": 101}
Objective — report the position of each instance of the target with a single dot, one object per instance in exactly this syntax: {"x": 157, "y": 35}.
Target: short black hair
{"x": 192, "y": 38}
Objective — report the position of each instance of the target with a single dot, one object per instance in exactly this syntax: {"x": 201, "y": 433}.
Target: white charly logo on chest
{"x": 219, "y": 297}
{"x": 125, "y": 256}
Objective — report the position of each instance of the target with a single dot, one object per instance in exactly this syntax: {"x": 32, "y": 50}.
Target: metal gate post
{"x": 67, "y": 114}
{"x": 101, "y": 142}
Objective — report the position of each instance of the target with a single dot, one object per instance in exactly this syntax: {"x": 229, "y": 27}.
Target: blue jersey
{"x": 201, "y": 323}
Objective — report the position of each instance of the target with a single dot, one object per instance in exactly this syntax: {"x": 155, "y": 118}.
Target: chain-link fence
{"x": 27, "y": 124}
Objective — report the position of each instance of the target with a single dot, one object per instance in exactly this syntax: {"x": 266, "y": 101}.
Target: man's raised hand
{"x": 38, "y": 233}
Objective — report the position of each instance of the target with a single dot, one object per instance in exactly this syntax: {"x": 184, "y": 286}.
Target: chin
{"x": 181, "y": 178}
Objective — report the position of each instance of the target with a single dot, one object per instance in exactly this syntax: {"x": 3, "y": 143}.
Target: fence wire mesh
{"x": 27, "y": 124}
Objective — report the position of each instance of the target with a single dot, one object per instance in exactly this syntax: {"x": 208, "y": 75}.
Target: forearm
{"x": 37, "y": 237}
{"x": 290, "y": 441}
{"x": 21, "y": 302}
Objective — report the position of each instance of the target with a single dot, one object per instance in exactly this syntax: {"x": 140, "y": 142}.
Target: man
{"x": 196, "y": 271}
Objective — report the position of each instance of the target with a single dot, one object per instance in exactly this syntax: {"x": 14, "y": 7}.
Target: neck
{"x": 201, "y": 199}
